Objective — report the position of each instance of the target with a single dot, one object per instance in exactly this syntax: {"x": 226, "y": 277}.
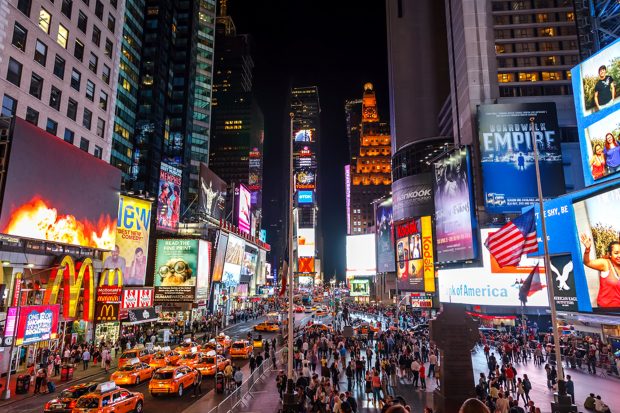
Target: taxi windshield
{"x": 189, "y": 356}
{"x": 126, "y": 368}
{"x": 239, "y": 345}
{"x": 162, "y": 375}
{"x": 128, "y": 354}
{"x": 88, "y": 402}
{"x": 207, "y": 360}
{"x": 159, "y": 356}
{"x": 72, "y": 394}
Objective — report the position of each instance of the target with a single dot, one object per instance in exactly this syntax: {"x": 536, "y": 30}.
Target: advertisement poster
{"x": 564, "y": 283}
{"x": 453, "y": 208}
{"x": 347, "y": 193}
{"x": 37, "y": 323}
{"x": 304, "y": 135}
{"x": 305, "y": 178}
{"x": 305, "y": 265}
{"x": 220, "y": 255}
{"x": 598, "y": 229}
{"x": 204, "y": 270}
{"x": 412, "y": 196}
{"x": 46, "y": 198}
{"x": 385, "y": 237}
{"x": 132, "y": 240}
{"x": 212, "y": 193}
{"x": 176, "y": 262}
{"x": 596, "y": 87}
{"x": 305, "y": 281}
{"x": 305, "y": 242}
{"x": 244, "y": 204}
{"x": 507, "y": 155}
{"x": 250, "y": 260}
{"x": 360, "y": 288}
{"x": 414, "y": 255}
{"x": 235, "y": 253}
{"x": 137, "y": 298}
{"x": 106, "y": 312}
{"x": 169, "y": 199}
{"x": 492, "y": 285}
{"x": 254, "y": 170}
{"x": 361, "y": 255}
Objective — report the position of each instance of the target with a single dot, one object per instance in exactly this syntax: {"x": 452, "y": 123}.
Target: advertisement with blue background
{"x": 507, "y": 154}
{"x": 596, "y": 90}
{"x": 584, "y": 213}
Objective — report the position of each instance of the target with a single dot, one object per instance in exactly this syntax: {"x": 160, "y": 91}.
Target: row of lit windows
{"x": 533, "y": 18}
{"x": 501, "y": 48}
{"x": 508, "y": 5}
{"x": 533, "y": 76}
{"x": 540, "y": 32}
{"x": 567, "y": 60}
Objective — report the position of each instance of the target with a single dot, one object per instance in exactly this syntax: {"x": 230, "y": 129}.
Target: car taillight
{"x": 72, "y": 404}
{"x": 47, "y": 405}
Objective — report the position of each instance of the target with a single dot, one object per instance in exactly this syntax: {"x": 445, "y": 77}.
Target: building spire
{"x": 223, "y": 8}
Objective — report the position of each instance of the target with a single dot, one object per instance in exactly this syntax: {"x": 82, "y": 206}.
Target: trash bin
{"x": 219, "y": 382}
{"x": 66, "y": 372}
{"x": 22, "y": 384}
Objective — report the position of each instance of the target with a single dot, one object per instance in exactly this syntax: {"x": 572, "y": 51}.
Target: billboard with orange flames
{"x": 53, "y": 191}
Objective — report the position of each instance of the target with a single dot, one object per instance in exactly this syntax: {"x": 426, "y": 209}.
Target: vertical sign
{"x": 347, "y": 191}
{"x": 169, "y": 199}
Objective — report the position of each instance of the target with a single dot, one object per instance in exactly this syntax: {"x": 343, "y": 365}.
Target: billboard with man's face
{"x": 212, "y": 193}
{"x": 56, "y": 192}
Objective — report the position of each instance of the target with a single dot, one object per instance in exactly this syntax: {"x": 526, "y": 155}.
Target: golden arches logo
{"x": 109, "y": 274}
{"x": 65, "y": 274}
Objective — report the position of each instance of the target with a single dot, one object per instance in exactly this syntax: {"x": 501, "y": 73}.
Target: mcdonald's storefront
{"x": 107, "y": 311}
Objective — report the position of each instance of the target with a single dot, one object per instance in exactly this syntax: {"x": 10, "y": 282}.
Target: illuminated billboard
{"x": 304, "y": 135}
{"x": 361, "y": 254}
{"x": 305, "y": 242}
{"x": 220, "y": 255}
{"x": 176, "y": 266}
{"x": 507, "y": 155}
{"x": 37, "y": 323}
{"x": 305, "y": 265}
{"x": 492, "y": 284}
{"x": 384, "y": 226}
{"x": 169, "y": 198}
{"x": 204, "y": 270}
{"x": 235, "y": 253}
{"x": 212, "y": 193}
{"x": 254, "y": 170}
{"x": 305, "y": 197}
{"x": 130, "y": 253}
{"x": 56, "y": 192}
{"x": 305, "y": 281}
{"x": 359, "y": 288}
{"x": 412, "y": 196}
{"x": 347, "y": 193}
{"x": 415, "y": 268}
{"x": 596, "y": 83}
{"x": 250, "y": 261}
{"x": 244, "y": 205}
{"x": 305, "y": 178}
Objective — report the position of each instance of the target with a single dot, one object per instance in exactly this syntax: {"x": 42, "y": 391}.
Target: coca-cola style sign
{"x": 137, "y": 298}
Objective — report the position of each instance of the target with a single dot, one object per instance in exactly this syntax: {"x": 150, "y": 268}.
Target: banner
{"x": 453, "y": 208}
{"x": 507, "y": 155}
{"x": 37, "y": 323}
{"x": 564, "y": 288}
{"x": 176, "y": 262}
{"x": 137, "y": 298}
{"x": 244, "y": 206}
{"x": 169, "y": 198}
{"x": 235, "y": 252}
{"x": 384, "y": 226}
{"x": 212, "y": 193}
{"x": 220, "y": 255}
{"x": 144, "y": 315}
{"x": 412, "y": 196}
{"x": 204, "y": 270}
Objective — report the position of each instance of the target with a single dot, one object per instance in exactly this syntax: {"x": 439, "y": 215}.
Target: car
{"x": 212, "y": 345}
{"x": 299, "y": 309}
{"x": 138, "y": 352}
{"x": 207, "y": 362}
{"x": 267, "y": 326}
{"x": 307, "y": 309}
{"x": 172, "y": 380}
{"x": 314, "y": 308}
{"x": 241, "y": 348}
{"x": 317, "y": 326}
{"x": 188, "y": 359}
{"x": 66, "y": 400}
{"x": 109, "y": 398}
{"x": 224, "y": 340}
{"x": 133, "y": 372}
{"x": 187, "y": 346}
{"x": 164, "y": 358}
{"x": 322, "y": 313}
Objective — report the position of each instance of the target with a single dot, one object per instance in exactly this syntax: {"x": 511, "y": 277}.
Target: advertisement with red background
{"x": 137, "y": 298}
{"x": 37, "y": 323}
{"x": 46, "y": 196}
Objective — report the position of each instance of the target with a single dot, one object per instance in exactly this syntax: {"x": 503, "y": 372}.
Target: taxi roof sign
{"x": 105, "y": 387}
{"x": 134, "y": 360}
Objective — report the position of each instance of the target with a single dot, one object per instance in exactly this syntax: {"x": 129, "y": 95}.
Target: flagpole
{"x": 556, "y": 334}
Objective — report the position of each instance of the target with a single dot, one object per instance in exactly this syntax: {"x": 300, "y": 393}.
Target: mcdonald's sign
{"x": 105, "y": 312}
{"x": 75, "y": 277}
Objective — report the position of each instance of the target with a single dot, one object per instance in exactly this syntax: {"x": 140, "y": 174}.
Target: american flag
{"x": 514, "y": 239}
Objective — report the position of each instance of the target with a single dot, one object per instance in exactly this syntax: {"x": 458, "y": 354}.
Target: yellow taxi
{"x": 267, "y": 326}
{"x": 223, "y": 340}
{"x": 186, "y": 347}
{"x": 67, "y": 399}
{"x": 365, "y": 328}
{"x": 322, "y": 313}
{"x": 165, "y": 357}
{"x": 213, "y": 346}
{"x": 172, "y": 380}
{"x": 188, "y": 359}
{"x": 138, "y": 352}
{"x": 108, "y": 398}
{"x": 133, "y": 372}
{"x": 207, "y": 362}
{"x": 241, "y": 348}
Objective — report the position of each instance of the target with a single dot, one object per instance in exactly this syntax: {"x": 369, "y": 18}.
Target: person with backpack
{"x": 527, "y": 387}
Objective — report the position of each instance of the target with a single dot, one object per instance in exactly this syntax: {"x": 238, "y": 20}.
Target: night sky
{"x": 336, "y": 45}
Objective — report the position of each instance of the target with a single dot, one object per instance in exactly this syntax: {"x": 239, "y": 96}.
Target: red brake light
{"x": 47, "y": 405}
{"x": 72, "y": 403}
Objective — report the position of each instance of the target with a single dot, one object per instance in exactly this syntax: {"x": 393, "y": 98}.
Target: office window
{"x": 55, "y": 97}
{"x": 99, "y": 9}
{"x": 87, "y": 119}
{"x": 87, "y": 2}
{"x": 40, "y": 52}
{"x": 105, "y": 74}
{"x": 45, "y": 20}
{"x": 109, "y": 46}
{"x": 76, "y": 79}
{"x": 9, "y": 106}
{"x": 93, "y": 61}
{"x": 51, "y": 126}
{"x": 114, "y": 3}
{"x": 66, "y": 8}
{"x": 82, "y": 21}
{"x": 98, "y": 152}
{"x": 20, "y": 35}
{"x": 63, "y": 36}
{"x": 111, "y": 23}
{"x": 96, "y": 35}
{"x": 69, "y": 136}
{"x": 24, "y": 6}
{"x": 36, "y": 85}
{"x": 32, "y": 116}
{"x": 90, "y": 90}
{"x": 59, "y": 67}
{"x": 78, "y": 51}
{"x": 72, "y": 109}
{"x": 84, "y": 144}
{"x": 100, "y": 127}
{"x": 103, "y": 100}
{"x": 14, "y": 72}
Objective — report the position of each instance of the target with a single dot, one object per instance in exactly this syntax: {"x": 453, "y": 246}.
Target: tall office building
{"x": 370, "y": 160}
{"x": 59, "y": 67}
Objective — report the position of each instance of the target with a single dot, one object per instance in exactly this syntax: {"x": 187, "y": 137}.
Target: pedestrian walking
{"x": 85, "y": 358}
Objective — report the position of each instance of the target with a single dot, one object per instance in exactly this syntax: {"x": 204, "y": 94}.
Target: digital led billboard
{"x": 235, "y": 253}
{"x": 384, "y": 226}
{"x": 305, "y": 265}
{"x": 220, "y": 255}
{"x": 244, "y": 205}
{"x": 169, "y": 199}
{"x": 305, "y": 242}
{"x": 204, "y": 270}
{"x": 305, "y": 178}
{"x": 304, "y": 135}
{"x": 359, "y": 288}
{"x": 361, "y": 255}
{"x": 176, "y": 266}
{"x": 46, "y": 196}
{"x": 415, "y": 270}
{"x": 212, "y": 193}
{"x": 305, "y": 197}
{"x": 36, "y": 323}
{"x": 412, "y": 196}
{"x": 250, "y": 261}
{"x": 507, "y": 154}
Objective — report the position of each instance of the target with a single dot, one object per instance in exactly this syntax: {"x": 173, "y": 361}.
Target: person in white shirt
{"x": 415, "y": 369}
